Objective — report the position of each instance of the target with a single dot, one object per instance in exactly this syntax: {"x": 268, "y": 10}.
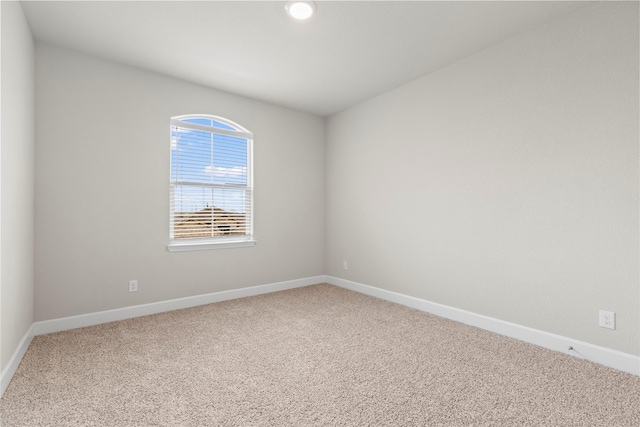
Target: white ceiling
{"x": 348, "y": 52}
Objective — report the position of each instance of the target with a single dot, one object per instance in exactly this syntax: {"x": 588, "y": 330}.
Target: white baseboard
{"x": 602, "y": 355}
{"x": 594, "y": 353}
{"x": 90, "y": 319}
{"x": 14, "y": 362}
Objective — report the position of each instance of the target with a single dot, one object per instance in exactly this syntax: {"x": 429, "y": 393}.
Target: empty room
{"x": 355, "y": 213}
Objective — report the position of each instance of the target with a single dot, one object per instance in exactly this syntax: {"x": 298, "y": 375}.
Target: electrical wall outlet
{"x": 607, "y": 319}
{"x": 345, "y": 265}
{"x": 133, "y": 286}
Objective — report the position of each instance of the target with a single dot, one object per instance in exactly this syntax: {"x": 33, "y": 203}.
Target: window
{"x": 211, "y": 189}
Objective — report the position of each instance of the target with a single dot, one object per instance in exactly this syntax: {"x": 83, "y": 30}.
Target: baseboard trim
{"x": 14, "y": 362}
{"x": 90, "y": 319}
{"x": 604, "y": 356}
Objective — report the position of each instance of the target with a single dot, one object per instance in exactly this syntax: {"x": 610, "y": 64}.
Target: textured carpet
{"x": 314, "y": 356}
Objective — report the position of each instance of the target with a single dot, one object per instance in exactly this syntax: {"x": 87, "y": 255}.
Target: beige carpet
{"x": 315, "y": 356}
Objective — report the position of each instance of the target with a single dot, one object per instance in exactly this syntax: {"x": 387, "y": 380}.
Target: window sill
{"x": 174, "y": 246}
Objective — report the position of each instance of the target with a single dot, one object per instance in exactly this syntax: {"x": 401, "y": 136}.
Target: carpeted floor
{"x": 314, "y": 356}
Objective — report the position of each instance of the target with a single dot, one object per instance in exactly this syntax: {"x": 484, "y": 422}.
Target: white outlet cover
{"x": 607, "y": 319}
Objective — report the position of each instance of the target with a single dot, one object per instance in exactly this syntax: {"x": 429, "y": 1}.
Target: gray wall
{"x": 17, "y": 153}
{"x": 505, "y": 184}
{"x": 102, "y": 195}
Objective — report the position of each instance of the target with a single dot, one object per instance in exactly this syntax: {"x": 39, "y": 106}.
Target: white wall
{"x": 102, "y": 174}
{"x": 17, "y": 153}
{"x": 505, "y": 184}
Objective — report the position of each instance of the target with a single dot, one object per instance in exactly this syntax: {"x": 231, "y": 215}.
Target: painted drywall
{"x": 505, "y": 184}
{"x": 17, "y": 194}
{"x": 102, "y": 189}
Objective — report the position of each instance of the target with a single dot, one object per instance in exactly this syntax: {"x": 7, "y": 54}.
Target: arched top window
{"x": 211, "y": 188}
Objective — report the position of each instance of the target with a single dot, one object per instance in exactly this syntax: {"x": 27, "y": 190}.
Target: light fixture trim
{"x": 300, "y": 10}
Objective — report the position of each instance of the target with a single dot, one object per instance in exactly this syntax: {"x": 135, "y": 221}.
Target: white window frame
{"x": 217, "y": 242}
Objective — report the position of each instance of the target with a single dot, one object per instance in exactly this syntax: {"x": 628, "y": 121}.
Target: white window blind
{"x": 211, "y": 189}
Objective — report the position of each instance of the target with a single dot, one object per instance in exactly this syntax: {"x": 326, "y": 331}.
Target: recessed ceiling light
{"x": 300, "y": 9}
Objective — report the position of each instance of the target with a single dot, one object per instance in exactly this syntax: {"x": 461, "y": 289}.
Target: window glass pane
{"x": 231, "y": 213}
{"x": 192, "y": 212}
{"x": 191, "y": 155}
{"x": 231, "y": 199}
{"x": 229, "y": 160}
{"x": 191, "y": 198}
{"x": 209, "y": 212}
{"x": 198, "y": 121}
{"x": 222, "y": 126}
